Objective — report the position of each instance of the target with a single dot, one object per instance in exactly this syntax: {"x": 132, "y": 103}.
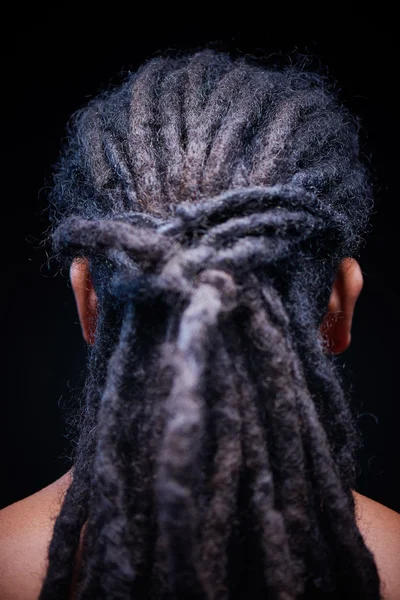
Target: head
{"x": 210, "y": 212}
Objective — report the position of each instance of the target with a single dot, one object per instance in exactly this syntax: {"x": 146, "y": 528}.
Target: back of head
{"x": 214, "y": 200}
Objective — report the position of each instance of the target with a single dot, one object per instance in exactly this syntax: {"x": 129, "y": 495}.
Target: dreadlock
{"x": 214, "y": 199}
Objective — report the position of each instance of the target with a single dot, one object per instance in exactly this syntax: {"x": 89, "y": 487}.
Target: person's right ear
{"x": 85, "y": 296}
{"x": 336, "y": 325}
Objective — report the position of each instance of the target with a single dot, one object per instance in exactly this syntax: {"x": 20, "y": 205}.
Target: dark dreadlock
{"x": 214, "y": 200}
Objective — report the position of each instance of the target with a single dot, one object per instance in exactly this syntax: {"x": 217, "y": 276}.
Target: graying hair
{"x": 215, "y": 200}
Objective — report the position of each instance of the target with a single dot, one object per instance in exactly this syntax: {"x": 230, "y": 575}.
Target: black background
{"x": 52, "y": 64}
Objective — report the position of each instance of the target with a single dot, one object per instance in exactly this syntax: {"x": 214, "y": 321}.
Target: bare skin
{"x": 26, "y": 526}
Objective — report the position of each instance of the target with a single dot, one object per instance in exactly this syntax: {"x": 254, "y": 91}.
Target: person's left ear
{"x": 85, "y": 296}
{"x": 336, "y": 325}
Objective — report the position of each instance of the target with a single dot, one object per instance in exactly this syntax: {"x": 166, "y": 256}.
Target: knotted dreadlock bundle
{"x": 214, "y": 200}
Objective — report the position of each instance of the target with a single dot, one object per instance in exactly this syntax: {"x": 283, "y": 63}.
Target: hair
{"x": 214, "y": 199}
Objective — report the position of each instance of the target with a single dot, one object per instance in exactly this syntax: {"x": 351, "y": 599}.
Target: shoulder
{"x": 380, "y": 528}
{"x": 26, "y": 529}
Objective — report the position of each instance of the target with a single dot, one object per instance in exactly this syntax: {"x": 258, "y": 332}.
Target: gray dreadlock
{"x": 214, "y": 199}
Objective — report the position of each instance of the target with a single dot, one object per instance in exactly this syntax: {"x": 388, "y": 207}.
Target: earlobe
{"x": 336, "y": 326}
{"x": 85, "y": 296}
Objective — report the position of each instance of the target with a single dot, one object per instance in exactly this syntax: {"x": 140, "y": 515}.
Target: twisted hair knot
{"x": 237, "y": 231}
